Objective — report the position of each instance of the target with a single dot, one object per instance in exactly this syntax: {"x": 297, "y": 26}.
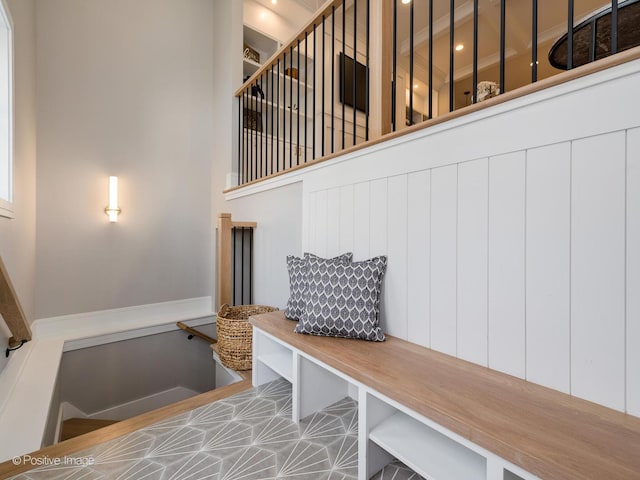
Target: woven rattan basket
{"x": 235, "y": 334}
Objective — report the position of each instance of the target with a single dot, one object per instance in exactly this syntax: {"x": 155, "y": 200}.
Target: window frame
{"x": 7, "y": 205}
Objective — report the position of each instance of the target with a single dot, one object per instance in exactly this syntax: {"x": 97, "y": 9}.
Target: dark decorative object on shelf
{"x": 252, "y": 120}
{"x": 592, "y": 36}
{"x": 256, "y": 90}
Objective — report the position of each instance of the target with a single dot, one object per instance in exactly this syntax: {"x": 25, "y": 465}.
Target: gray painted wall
{"x": 124, "y": 88}
{"x": 18, "y": 235}
{"x": 104, "y": 376}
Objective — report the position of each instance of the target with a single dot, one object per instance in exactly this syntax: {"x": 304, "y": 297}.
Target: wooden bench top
{"x": 548, "y": 433}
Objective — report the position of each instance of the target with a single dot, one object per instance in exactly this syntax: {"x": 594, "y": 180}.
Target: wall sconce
{"x": 112, "y": 210}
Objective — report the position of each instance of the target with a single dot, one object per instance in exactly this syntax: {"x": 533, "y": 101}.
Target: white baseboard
{"x": 82, "y": 330}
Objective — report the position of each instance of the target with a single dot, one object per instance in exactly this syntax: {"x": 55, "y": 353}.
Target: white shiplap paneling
{"x": 346, "y": 219}
{"x": 321, "y": 240}
{"x": 558, "y": 231}
{"x": 506, "y": 263}
{"x": 396, "y": 276}
{"x": 548, "y": 266}
{"x": 633, "y": 271}
{"x": 312, "y": 225}
{"x": 378, "y": 217}
{"x": 378, "y": 201}
{"x": 473, "y": 193}
{"x": 598, "y": 269}
{"x": 444, "y": 185}
{"x": 333, "y": 222}
{"x": 418, "y": 269}
{"x": 361, "y": 220}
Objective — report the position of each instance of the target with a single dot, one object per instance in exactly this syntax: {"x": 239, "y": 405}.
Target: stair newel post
{"x": 224, "y": 260}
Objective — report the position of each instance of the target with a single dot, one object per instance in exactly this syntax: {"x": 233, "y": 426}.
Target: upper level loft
{"x": 364, "y": 71}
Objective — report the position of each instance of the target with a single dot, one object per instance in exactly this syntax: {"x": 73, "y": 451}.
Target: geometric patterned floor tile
{"x": 249, "y": 436}
{"x": 396, "y": 470}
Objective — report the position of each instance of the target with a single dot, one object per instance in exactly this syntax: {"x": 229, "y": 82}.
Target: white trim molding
{"x": 82, "y": 330}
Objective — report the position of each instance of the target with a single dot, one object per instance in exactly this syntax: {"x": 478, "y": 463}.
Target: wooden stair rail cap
{"x": 11, "y": 310}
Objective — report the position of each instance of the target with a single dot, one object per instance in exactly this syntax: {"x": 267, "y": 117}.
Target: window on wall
{"x": 6, "y": 112}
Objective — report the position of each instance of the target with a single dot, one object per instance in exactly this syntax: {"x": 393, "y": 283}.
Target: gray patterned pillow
{"x": 343, "y": 300}
{"x": 297, "y": 282}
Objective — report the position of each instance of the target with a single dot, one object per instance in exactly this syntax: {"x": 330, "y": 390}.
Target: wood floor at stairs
{"x": 75, "y": 427}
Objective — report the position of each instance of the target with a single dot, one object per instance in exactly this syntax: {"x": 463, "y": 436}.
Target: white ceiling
{"x": 297, "y": 12}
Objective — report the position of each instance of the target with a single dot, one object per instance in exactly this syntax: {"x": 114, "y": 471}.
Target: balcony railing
{"x": 362, "y": 69}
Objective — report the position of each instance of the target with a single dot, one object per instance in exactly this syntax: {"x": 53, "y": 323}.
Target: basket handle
{"x": 224, "y": 308}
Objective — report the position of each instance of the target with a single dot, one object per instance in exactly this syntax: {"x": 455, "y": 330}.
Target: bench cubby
{"x": 272, "y": 359}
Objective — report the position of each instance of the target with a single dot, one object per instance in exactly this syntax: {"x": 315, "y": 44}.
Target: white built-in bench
{"x": 444, "y": 417}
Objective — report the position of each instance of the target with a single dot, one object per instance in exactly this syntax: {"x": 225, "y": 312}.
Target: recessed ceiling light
{"x": 459, "y": 47}
{"x": 274, "y": 2}
{"x": 406, "y": 1}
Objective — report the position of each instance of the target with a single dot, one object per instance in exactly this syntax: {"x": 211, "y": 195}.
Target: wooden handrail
{"x": 11, "y": 310}
{"x": 197, "y": 333}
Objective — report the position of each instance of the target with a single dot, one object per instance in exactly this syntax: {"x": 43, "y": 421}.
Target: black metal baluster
{"x": 570, "y": 15}
{"x": 534, "y": 42}
{"x": 250, "y": 265}
{"x": 244, "y": 139}
{"x": 395, "y": 65}
{"x": 503, "y": 26}
{"x": 242, "y": 265}
{"x": 411, "y": 63}
{"x": 252, "y": 131}
{"x": 234, "y": 260}
{"x": 290, "y": 106}
{"x": 452, "y": 10}
{"x": 313, "y": 109}
{"x": 431, "y": 59}
{"x": 306, "y": 93}
{"x": 298, "y": 110}
{"x": 278, "y": 120}
{"x": 239, "y": 140}
{"x": 366, "y": 116}
{"x": 343, "y": 73}
{"x": 474, "y": 87}
{"x": 265, "y": 129}
{"x": 284, "y": 112}
{"x": 614, "y": 26}
{"x": 255, "y": 134}
{"x": 272, "y": 128}
{"x": 323, "y": 82}
{"x": 355, "y": 62}
{"x": 333, "y": 73}
{"x": 261, "y": 148}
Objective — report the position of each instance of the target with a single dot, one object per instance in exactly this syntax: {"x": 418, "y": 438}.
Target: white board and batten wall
{"x": 513, "y": 234}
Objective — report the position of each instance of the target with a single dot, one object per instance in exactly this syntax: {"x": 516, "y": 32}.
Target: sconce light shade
{"x": 112, "y": 210}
